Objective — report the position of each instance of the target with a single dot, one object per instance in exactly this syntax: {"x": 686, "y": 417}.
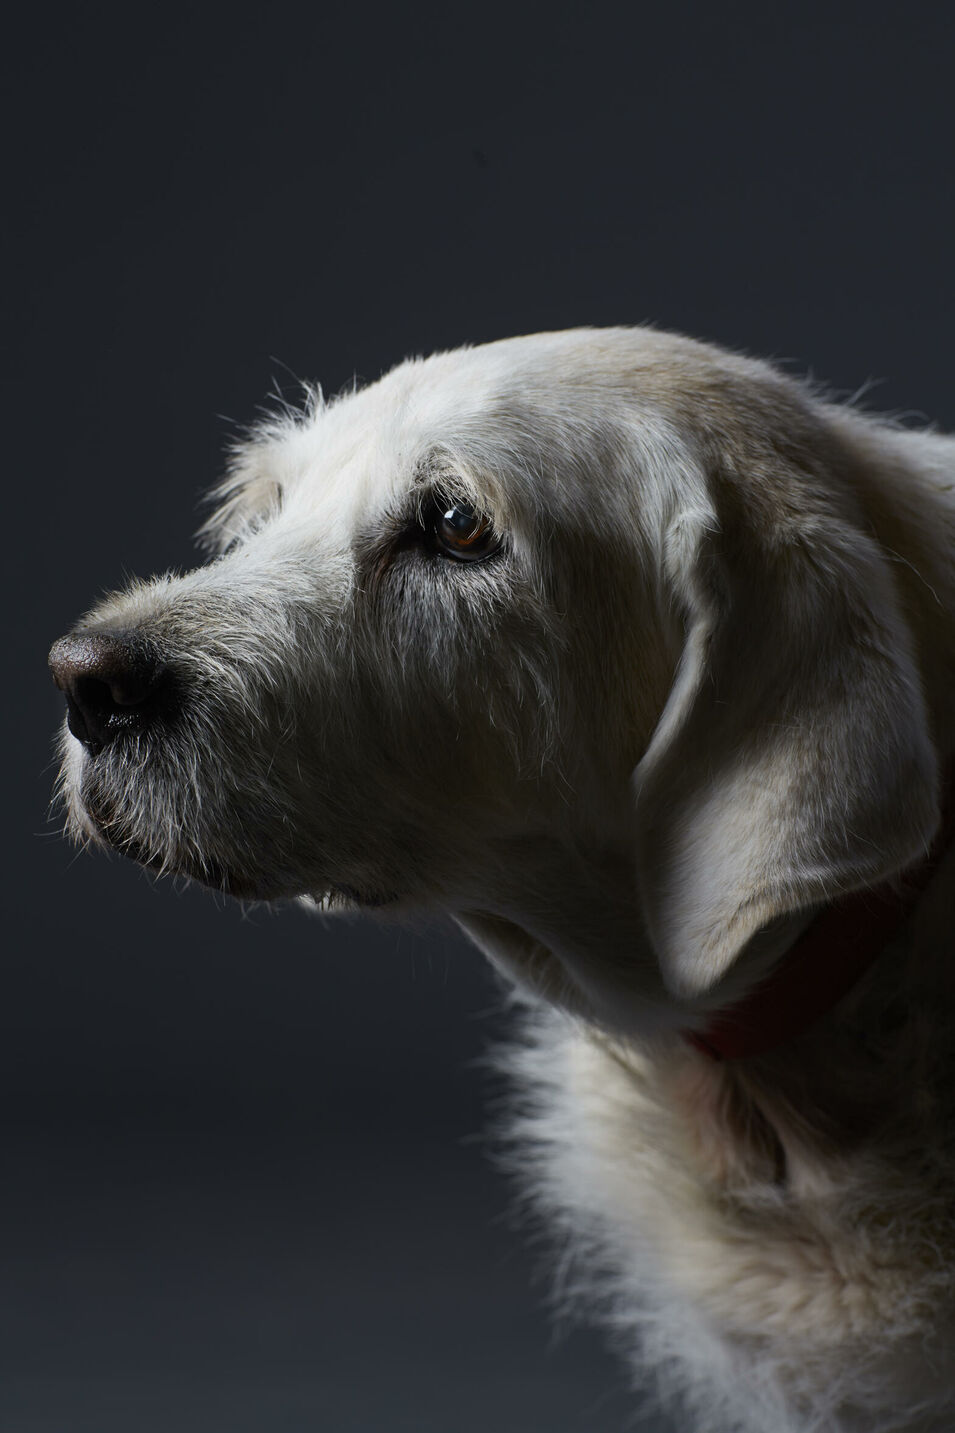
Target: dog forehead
{"x": 498, "y": 411}
{"x": 357, "y": 455}
{"x": 489, "y": 406}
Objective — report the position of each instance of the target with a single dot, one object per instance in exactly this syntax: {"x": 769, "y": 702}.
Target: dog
{"x": 636, "y": 657}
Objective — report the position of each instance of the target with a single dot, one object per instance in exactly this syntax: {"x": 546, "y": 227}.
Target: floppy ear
{"x": 793, "y": 760}
{"x": 247, "y": 494}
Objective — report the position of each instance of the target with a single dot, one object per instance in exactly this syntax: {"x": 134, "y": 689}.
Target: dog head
{"x": 578, "y": 637}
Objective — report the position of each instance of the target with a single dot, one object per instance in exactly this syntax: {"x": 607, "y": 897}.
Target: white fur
{"x": 704, "y": 686}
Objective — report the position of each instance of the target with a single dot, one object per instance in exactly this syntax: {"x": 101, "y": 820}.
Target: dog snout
{"x": 113, "y": 681}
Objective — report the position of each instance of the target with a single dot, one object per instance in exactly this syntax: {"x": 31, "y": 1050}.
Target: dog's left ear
{"x": 793, "y": 759}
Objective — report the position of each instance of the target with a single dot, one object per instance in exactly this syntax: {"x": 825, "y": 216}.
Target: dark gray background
{"x": 241, "y": 1183}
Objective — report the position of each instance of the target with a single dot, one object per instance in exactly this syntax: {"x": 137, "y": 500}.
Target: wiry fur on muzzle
{"x": 288, "y": 762}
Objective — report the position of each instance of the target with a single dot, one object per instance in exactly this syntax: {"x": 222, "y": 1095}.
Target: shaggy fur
{"x": 700, "y": 685}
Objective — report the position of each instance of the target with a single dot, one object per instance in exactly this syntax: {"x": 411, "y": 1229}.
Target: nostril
{"x": 126, "y": 690}
{"x": 113, "y": 681}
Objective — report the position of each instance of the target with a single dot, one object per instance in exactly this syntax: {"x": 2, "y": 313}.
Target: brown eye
{"x": 462, "y": 532}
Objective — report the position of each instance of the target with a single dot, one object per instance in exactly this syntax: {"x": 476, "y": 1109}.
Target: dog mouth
{"x": 243, "y": 887}
{"x": 215, "y": 877}
{"x": 100, "y": 822}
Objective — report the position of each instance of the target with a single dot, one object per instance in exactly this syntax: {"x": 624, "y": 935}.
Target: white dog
{"x": 635, "y": 656}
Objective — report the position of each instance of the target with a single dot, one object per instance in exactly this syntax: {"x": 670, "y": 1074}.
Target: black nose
{"x": 113, "y": 681}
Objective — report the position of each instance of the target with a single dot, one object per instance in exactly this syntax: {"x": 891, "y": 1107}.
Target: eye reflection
{"x": 460, "y": 531}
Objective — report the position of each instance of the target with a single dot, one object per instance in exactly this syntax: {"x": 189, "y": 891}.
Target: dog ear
{"x": 247, "y": 495}
{"x": 792, "y": 761}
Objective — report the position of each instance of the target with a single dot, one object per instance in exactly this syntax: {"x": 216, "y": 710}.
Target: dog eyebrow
{"x": 443, "y": 472}
{"x": 402, "y": 524}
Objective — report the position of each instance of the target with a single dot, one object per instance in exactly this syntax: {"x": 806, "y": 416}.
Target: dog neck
{"x": 827, "y": 959}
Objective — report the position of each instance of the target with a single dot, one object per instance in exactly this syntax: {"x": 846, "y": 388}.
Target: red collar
{"x": 833, "y": 952}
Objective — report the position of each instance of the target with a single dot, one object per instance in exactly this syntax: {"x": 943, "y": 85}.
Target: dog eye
{"x": 460, "y": 531}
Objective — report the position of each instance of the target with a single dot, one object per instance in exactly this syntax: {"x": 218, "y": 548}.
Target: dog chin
{"x": 228, "y": 882}
{"x": 237, "y": 884}
{"x": 240, "y": 885}
{"x": 344, "y": 899}
{"x": 91, "y": 824}
{"x": 93, "y": 819}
